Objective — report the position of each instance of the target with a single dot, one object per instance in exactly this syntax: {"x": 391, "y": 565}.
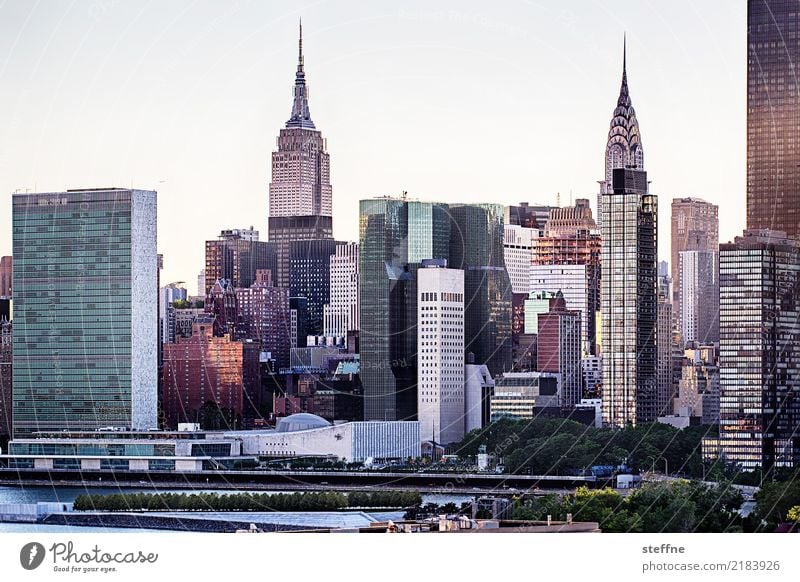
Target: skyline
{"x": 190, "y": 131}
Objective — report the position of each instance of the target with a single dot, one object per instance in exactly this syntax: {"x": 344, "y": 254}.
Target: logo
{"x": 31, "y": 555}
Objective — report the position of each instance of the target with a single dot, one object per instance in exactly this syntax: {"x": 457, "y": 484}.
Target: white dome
{"x": 301, "y": 421}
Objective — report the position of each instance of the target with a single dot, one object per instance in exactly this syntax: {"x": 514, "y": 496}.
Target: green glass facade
{"x": 84, "y": 265}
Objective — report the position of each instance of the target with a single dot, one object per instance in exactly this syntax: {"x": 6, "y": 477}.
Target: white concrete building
{"x": 440, "y": 352}
{"x": 518, "y": 255}
{"x": 341, "y": 313}
{"x": 573, "y": 282}
{"x": 699, "y": 278}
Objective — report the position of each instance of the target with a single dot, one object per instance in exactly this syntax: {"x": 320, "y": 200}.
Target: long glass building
{"x": 85, "y": 310}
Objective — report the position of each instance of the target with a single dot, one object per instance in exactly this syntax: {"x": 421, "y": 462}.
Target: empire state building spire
{"x": 301, "y": 116}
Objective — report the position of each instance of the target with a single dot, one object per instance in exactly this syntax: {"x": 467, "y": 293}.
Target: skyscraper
{"x": 695, "y": 227}
{"x": 624, "y": 144}
{"x": 235, "y": 256}
{"x": 773, "y": 116}
{"x": 559, "y": 348}
{"x": 699, "y": 274}
{"x": 518, "y": 250}
{"x": 300, "y": 201}
{"x": 341, "y": 313}
{"x": 263, "y": 310}
{"x": 440, "y": 349}
{"x": 395, "y": 236}
{"x": 5, "y": 276}
{"x": 629, "y": 304}
{"x": 759, "y": 357}
{"x": 86, "y": 310}
{"x": 310, "y": 277}
{"x": 476, "y": 247}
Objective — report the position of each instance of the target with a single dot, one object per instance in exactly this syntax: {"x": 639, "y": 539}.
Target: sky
{"x": 466, "y": 101}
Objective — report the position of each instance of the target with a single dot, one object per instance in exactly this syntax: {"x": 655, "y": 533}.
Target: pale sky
{"x": 502, "y": 101}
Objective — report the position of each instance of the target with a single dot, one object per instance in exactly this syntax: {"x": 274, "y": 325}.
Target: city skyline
{"x": 410, "y": 59}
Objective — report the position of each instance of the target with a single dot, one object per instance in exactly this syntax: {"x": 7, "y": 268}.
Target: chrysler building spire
{"x": 624, "y": 144}
{"x": 301, "y": 116}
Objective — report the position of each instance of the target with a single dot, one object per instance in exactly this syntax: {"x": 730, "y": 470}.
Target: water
{"x": 34, "y": 494}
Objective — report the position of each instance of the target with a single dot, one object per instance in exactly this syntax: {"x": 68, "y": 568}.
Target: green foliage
{"x": 669, "y": 507}
{"x": 773, "y": 503}
{"x": 555, "y": 446}
{"x": 793, "y": 514}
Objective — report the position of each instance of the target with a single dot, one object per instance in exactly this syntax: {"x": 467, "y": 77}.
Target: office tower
{"x": 6, "y": 273}
{"x": 298, "y": 316}
{"x": 440, "y": 349}
{"x": 575, "y": 284}
{"x": 665, "y": 390}
{"x": 592, "y": 367}
{"x": 558, "y": 348}
{"x": 624, "y": 146}
{"x": 210, "y": 380}
{"x": 263, "y": 311}
{"x": 698, "y": 389}
{"x": 523, "y": 345}
{"x": 571, "y": 237}
{"x": 166, "y": 313}
{"x": 6, "y": 398}
{"x": 699, "y": 276}
{"x": 300, "y": 202}
{"x": 310, "y": 277}
{"x": 476, "y": 247}
{"x": 759, "y": 356}
{"x": 629, "y": 305}
{"x": 341, "y": 313}
{"x": 773, "y": 116}
{"x": 695, "y": 227}
{"x": 86, "y": 313}
{"x": 518, "y": 255}
{"x": 395, "y": 236}
{"x": 478, "y": 389}
{"x": 201, "y": 283}
{"x": 236, "y": 256}
{"x": 185, "y": 319}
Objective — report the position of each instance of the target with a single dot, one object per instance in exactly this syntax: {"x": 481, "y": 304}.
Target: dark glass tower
{"x": 309, "y": 277}
{"x": 773, "y": 116}
{"x": 476, "y": 247}
{"x": 629, "y": 301}
{"x": 236, "y": 256}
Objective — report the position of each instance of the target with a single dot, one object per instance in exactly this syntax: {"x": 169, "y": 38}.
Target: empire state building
{"x": 300, "y": 206}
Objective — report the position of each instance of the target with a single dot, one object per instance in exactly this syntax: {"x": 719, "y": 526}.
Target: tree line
{"x": 203, "y": 501}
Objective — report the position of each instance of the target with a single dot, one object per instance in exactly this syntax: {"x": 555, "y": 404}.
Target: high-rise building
{"x": 575, "y": 284}
{"x": 310, "y": 277}
{"x": 759, "y": 356}
{"x": 263, "y": 311}
{"x": 236, "y": 256}
{"x": 210, "y": 380}
{"x": 526, "y": 215}
{"x": 624, "y": 145}
{"x": 695, "y": 227}
{"x": 201, "y": 283}
{"x": 476, "y": 247}
{"x": 6, "y": 274}
{"x": 167, "y": 295}
{"x": 6, "y": 397}
{"x": 440, "y": 351}
{"x": 298, "y": 316}
{"x": 395, "y": 236}
{"x": 698, "y": 389}
{"x": 773, "y": 116}
{"x": 629, "y": 303}
{"x": 665, "y": 391}
{"x": 699, "y": 276}
{"x": 518, "y": 255}
{"x": 86, "y": 310}
{"x": 571, "y": 237}
{"x": 341, "y": 313}
{"x": 558, "y": 349}
{"x": 300, "y": 201}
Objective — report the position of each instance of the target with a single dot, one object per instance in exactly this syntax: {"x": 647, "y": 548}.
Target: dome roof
{"x": 301, "y": 421}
